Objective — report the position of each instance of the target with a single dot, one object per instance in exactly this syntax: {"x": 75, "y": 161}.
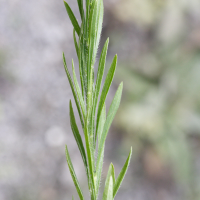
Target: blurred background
{"x": 158, "y": 45}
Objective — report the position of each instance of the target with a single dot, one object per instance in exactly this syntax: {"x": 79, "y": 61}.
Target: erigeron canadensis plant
{"x": 90, "y": 102}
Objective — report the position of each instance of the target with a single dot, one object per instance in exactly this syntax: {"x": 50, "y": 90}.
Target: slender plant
{"x": 90, "y": 101}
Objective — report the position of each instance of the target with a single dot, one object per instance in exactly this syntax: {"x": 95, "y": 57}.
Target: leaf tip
{"x": 66, "y": 4}
{"x": 63, "y": 56}
{"x": 66, "y": 149}
{"x": 70, "y": 104}
{"x": 107, "y": 41}
{"x": 121, "y": 85}
{"x": 72, "y": 62}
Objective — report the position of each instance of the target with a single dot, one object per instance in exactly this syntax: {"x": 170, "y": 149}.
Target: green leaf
{"x": 87, "y": 5}
{"x": 83, "y": 60}
{"x": 99, "y": 164}
{"x": 101, "y": 123}
{"x": 90, "y": 119}
{"x": 99, "y": 23}
{"x": 81, "y": 10}
{"x": 72, "y": 172}
{"x": 80, "y": 97}
{"x": 89, "y": 138}
{"x": 111, "y": 113}
{"x": 99, "y": 167}
{"x": 100, "y": 73}
{"x": 89, "y": 132}
{"x": 73, "y": 18}
{"x": 106, "y": 88}
{"x": 113, "y": 173}
{"x": 79, "y": 59}
{"x": 72, "y": 198}
{"x": 92, "y": 33}
{"x": 75, "y": 43}
{"x": 77, "y": 137}
{"x": 89, "y": 150}
{"x": 122, "y": 174}
{"x": 73, "y": 91}
{"x": 109, "y": 174}
{"x": 86, "y": 23}
{"x": 82, "y": 63}
{"x": 90, "y": 92}
{"x": 108, "y": 190}
{"x": 95, "y": 22}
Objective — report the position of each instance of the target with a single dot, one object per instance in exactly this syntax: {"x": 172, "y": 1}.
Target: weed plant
{"x": 90, "y": 101}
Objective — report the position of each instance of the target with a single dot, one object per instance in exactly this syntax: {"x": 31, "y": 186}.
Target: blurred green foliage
{"x": 161, "y": 105}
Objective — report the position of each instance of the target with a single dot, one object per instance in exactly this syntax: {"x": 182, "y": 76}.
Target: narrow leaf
{"x": 73, "y": 91}
{"x": 75, "y": 43}
{"x": 105, "y": 89}
{"x": 90, "y": 92}
{"x": 101, "y": 123}
{"x": 99, "y": 167}
{"x": 80, "y": 97}
{"x": 90, "y": 158}
{"x": 73, "y": 18}
{"x": 77, "y": 137}
{"x": 86, "y": 24}
{"x": 100, "y": 73}
{"x": 109, "y": 174}
{"x": 89, "y": 120}
{"x": 92, "y": 33}
{"x": 108, "y": 190}
{"x": 111, "y": 113}
{"x": 99, "y": 23}
{"x": 72, "y": 172}
{"x": 113, "y": 173}
{"x": 99, "y": 164}
{"x": 87, "y": 5}
{"x": 83, "y": 60}
{"x": 82, "y": 63}
{"x": 81, "y": 10}
{"x": 122, "y": 174}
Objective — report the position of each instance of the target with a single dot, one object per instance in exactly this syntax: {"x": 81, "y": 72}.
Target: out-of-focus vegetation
{"x": 160, "y": 67}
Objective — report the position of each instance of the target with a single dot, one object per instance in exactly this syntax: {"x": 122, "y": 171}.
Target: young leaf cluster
{"x": 90, "y": 100}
